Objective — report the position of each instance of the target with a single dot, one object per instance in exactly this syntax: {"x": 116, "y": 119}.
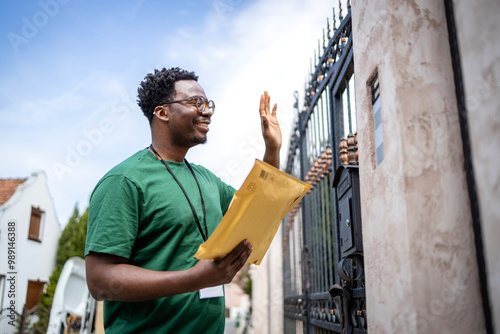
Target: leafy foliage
{"x": 244, "y": 280}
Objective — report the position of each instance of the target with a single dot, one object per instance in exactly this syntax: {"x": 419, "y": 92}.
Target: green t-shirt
{"x": 139, "y": 212}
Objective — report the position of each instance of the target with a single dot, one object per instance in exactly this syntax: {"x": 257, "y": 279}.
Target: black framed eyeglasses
{"x": 202, "y": 104}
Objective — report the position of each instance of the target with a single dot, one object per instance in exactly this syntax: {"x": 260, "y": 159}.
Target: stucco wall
{"x": 421, "y": 272}
{"x": 478, "y": 31}
{"x": 34, "y": 260}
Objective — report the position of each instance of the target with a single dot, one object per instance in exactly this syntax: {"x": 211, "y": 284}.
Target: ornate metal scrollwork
{"x": 351, "y": 268}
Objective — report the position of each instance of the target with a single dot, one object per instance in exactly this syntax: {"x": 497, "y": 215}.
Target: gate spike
{"x": 324, "y": 46}
{"x": 306, "y": 94}
{"x": 348, "y": 5}
{"x": 328, "y": 29}
{"x": 340, "y": 11}
{"x": 334, "y": 20}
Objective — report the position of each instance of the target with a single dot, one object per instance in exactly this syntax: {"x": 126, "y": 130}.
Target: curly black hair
{"x": 160, "y": 87}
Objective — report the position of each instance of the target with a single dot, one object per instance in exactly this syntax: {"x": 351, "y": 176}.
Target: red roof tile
{"x": 8, "y": 187}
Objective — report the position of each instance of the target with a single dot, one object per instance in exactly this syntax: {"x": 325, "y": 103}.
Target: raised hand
{"x": 270, "y": 130}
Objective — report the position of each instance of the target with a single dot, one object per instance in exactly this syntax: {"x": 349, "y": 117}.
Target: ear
{"x": 161, "y": 113}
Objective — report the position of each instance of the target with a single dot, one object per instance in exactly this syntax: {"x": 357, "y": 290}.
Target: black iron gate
{"x": 323, "y": 259}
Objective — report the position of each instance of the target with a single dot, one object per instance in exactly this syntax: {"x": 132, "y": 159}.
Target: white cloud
{"x": 240, "y": 50}
{"x": 266, "y": 46}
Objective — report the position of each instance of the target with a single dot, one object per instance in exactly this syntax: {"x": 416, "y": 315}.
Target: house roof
{"x": 8, "y": 187}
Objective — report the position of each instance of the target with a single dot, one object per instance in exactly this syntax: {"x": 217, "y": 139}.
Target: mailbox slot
{"x": 346, "y": 180}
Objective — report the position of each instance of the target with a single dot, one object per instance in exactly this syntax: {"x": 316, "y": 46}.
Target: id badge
{"x": 212, "y": 292}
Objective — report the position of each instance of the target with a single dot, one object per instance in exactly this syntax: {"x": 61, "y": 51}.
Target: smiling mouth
{"x": 203, "y": 124}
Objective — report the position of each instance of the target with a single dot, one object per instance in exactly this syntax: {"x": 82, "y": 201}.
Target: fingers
{"x": 229, "y": 265}
{"x": 239, "y": 250}
{"x": 243, "y": 256}
{"x": 265, "y": 100}
{"x": 237, "y": 257}
{"x": 264, "y": 103}
{"x": 262, "y": 106}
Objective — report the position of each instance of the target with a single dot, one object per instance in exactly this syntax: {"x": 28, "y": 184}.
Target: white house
{"x": 29, "y": 235}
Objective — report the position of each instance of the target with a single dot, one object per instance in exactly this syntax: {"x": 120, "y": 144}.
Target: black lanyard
{"x": 203, "y": 235}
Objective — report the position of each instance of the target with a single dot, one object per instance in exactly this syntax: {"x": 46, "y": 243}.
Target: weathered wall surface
{"x": 421, "y": 271}
{"x": 478, "y": 32}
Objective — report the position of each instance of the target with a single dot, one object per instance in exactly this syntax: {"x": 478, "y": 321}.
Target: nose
{"x": 207, "y": 113}
{"x": 208, "y": 107}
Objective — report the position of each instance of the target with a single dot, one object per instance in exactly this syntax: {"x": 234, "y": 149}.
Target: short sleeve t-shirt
{"x": 138, "y": 211}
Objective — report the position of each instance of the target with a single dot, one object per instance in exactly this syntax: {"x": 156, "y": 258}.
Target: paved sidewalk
{"x": 231, "y": 327}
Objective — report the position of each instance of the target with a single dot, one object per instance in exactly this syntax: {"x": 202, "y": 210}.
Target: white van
{"x": 73, "y": 308}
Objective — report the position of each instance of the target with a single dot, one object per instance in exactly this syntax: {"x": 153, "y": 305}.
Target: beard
{"x": 199, "y": 139}
{"x": 189, "y": 142}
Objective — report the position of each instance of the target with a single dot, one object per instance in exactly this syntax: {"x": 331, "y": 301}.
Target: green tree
{"x": 71, "y": 243}
{"x": 244, "y": 280}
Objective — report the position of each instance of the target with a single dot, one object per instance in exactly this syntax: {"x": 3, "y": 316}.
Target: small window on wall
{"x": 377, "y": 120}
{"x": 35, "y": 224}
{"x": 35, "y": 290}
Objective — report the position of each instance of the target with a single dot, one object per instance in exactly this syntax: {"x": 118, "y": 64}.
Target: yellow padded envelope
{"x": 255, "y": 213}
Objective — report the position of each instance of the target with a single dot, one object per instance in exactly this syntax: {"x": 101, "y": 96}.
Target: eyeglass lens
{"x": 202, "y": 104}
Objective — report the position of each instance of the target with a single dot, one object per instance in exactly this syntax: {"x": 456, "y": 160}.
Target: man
{"x": 149, "y": 214}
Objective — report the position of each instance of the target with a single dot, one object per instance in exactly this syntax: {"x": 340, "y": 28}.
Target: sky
{"x": 70, "y": 71}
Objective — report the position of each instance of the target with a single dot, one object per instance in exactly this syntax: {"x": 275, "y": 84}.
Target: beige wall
{"x": 267, "y": 290}
{"x": 99, "y": 318}
{"x": 478, "y": 31}
{"x": 421, "y": 272}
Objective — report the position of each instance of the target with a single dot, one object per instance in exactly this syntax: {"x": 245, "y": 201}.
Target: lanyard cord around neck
{"x": 195, "y": 215}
